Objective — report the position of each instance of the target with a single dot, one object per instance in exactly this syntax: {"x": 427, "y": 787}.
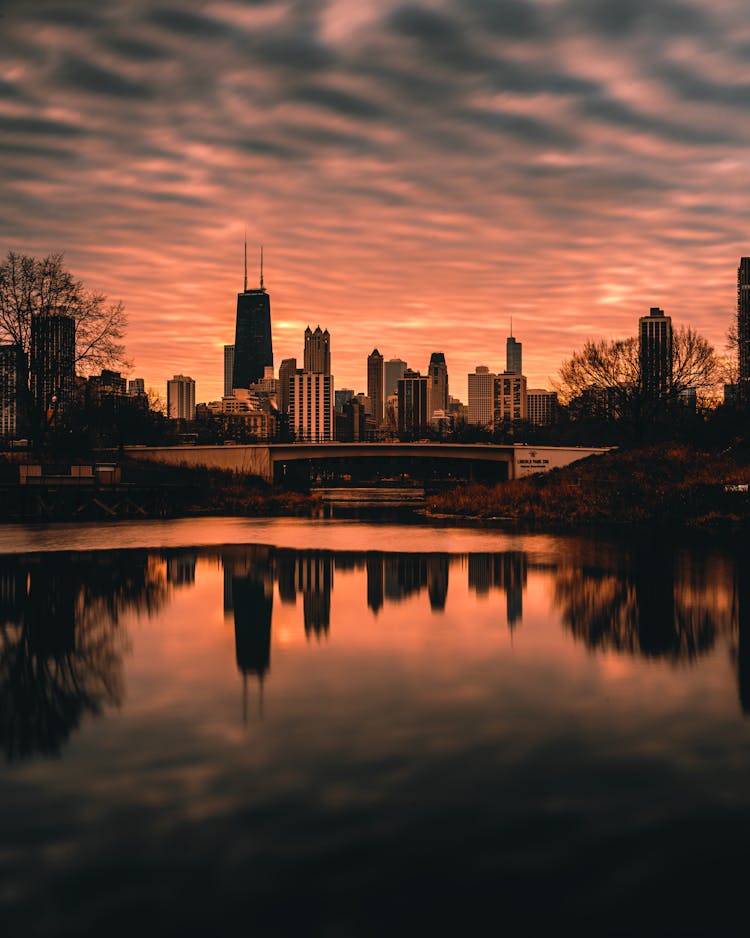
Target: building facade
{"x": 287, "y": 370}
{"x": 228, "y": 369}
{"x": 412, "y": 401}
{"x": 437, "y": 384}
{"x": 743, "y": 330}
{"x": 394, "y": 370}
{"x": 52, "y": 362}
{"x": 375, "y": 385}
{"x": 655, "y": 349}
{"x": 510, "y": 399}
{"x": 541, "y": 407}
{"x": 317, "y": 351}
{"x": 481, "y": 408}
{"x": 136, "y": 386}
{"x": 11, "y": 376}
{"x": 181, "y": 398}
{"x": 311, "y": 407}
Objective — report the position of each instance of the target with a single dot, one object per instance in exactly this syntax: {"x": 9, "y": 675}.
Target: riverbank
{"x": 660, "y": 485}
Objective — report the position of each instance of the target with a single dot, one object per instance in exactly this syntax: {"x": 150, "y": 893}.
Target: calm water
{"x": 326, "y": 728}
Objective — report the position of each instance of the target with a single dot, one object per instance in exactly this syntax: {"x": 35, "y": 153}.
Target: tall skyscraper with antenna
{"x": 513, "y": 351}
{"x": 253, "y": 348}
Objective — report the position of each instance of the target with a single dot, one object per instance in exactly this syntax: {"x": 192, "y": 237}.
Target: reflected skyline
{"x": 62, "y": 644}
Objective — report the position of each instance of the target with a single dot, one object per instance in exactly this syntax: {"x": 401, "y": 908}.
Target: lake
{"x": 283, "y": 727}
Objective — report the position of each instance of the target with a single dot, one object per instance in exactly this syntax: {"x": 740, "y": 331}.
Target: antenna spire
{"x": 261, "y": 268}
{"x": 511, "y": 327}
{"x": 245, "y": 260}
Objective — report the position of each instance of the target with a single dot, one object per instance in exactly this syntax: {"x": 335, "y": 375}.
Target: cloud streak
{"x": 449, "y": 164}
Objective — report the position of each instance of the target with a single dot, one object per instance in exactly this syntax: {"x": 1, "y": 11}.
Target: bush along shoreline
{"x": 666, "y": 485}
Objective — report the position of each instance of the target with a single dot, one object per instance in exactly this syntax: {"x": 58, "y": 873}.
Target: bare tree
{"x": 607, "y": 377}
{"x": 31, "y": 287}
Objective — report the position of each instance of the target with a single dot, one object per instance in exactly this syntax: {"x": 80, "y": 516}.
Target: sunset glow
{"x": 418, "y": 173}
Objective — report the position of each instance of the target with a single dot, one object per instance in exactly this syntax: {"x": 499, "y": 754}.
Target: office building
{"x": 317, "y": 351}
{"x": 513, "y": 361}
{"x": 541, "y": 407}
{"x": 181, "y": 398}
{"x": 342, "y": 397}
{"x": 228, "y": 369}
{"x": 394, "y": 371}
{"x": 53, "y": 339}
{"x": 412, "y": 401}
{"x": 375, "y": 385}
{"x": 509, "y": 399}
{"x": 253, "y": 349}
{"x": 311, "y": 407}
{"x": 287, "y": 369}
{"x": 743, "y": 330}
{"x": 11, "y": 377}
{"x": 437, "y": 384}
{"x": 655, "y": 348}
{"x": 481, "y": 397}
{"x": 136, "y": 386}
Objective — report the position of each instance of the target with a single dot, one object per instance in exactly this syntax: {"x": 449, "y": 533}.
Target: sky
{"x": 418, "y": 173}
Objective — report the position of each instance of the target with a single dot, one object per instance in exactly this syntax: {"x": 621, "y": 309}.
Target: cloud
{"x": 437, "y": 153}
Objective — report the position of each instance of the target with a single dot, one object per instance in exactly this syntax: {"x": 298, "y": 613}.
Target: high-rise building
{"x": 228, "y": 369}
{"x": 437, "y": 384}
{"x": 481, "y": 396}
{"x": 136, "y": 386}
{"x": 412, "y": 401}
{"x": 541, "y": 407}
{"x": 53, "y": 339}
{"x": 311, "y": 407}
{"x": 513, "y": 360}
{"x": 11, "y": 376}
{"x": 743, "y": 330}
{"x": 317, "y": 351}
{"x": 510, "y": 399}
{"x": 342, "y": 396}
{"x": 287, "y": 369}
{"x": 253, "y": 349}
{"x": 394, "y": 371}
{"x": 655, "y": 346}
{"x": 375, "y": 378}
{"x": 181, "y": 398}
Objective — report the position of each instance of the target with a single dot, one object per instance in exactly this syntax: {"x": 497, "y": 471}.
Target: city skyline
{"x": 437, "y": 167}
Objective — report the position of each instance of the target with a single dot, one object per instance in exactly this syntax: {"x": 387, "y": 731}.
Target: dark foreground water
{"x": 344, "y": 729}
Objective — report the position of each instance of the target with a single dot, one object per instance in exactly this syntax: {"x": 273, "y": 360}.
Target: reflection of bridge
{"x": 272, "y": 461}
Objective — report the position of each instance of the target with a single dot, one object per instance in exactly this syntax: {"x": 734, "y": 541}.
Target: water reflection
{"x": 61, "y": 647}
{"x": 62, "y": 643}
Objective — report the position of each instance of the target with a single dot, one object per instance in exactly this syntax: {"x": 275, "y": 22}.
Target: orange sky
{"x": 418, "y": 173}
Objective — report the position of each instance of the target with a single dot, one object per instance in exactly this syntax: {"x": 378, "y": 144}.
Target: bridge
{"x": 279, "y": 462}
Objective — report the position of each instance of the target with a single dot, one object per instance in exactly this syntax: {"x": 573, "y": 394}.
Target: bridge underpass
{"x": 297, "y": 464}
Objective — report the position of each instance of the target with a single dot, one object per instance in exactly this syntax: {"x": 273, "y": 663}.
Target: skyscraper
{"x": 655, "y": 346}
{"x": 481, "y": 396}
{"x": 317, "y": 351}
{"x": 375, "y": 378}
{"x": 311, "y": 407}
{"x": 437, "y": 384}
{"x": 287, "y": 369}
{"x": 513, "y": 351}
{"x": 11, "y": 371}
{"x": 53, "y": 339}
{"x": 412, "y": 401}
{"x": 743, "y": 329}
{"x": 253, "y": 349}
{"x": 228, "y": 369}
{"x": 394, "y": 370}
{"x": 181, "y": 398}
